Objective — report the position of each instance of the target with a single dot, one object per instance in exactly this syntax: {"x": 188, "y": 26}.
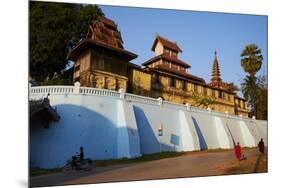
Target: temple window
{"x": 195, "y": 88}
{"x": 213, "y": 93}
{"x": 181, "y": 84}
{"x": 205, "y": 91}
{"x": 184, "y": 85}
{"x": 220, "y": 94}
{"x": 173, "y": 82}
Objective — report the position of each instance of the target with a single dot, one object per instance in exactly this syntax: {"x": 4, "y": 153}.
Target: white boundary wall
{"x": 111, "y": 124}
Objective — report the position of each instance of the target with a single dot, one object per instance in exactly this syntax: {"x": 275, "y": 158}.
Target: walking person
{"x": 261, "y": 146}
{"x": 237, "y": 150}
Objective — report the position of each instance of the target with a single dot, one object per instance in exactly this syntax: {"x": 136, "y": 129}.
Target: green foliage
{"x": 55, "y": 28}
{"x": 58, "y": 81}
{"x": 233, "y": 87}
{"x": 262, "y": 102}
{"x": 254, "y": 88}
{"x": 251, "y": 59}
{"x": 204, "y": 101}
{"x": 255, "y": 91}
{"x": 250, "y": 86}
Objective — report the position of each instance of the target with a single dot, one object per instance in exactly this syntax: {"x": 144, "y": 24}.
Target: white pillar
{"x": 187, "y": 106}
{"x": 227, "y": 113}
{"x": 76, "y": 87}
{"x": 160, "y": 101}
{"x": 122, "y": 93}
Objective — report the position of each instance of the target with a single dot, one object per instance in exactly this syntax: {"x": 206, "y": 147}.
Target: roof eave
{"x": 74, "y": 53}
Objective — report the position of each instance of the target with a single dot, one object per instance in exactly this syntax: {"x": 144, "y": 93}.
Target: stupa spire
{"x": 216, "y": 70}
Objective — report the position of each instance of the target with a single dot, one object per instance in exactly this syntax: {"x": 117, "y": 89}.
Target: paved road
{"x": 196, "y": 164}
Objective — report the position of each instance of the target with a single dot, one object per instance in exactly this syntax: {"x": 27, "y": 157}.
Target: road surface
{"x": 190, "y": 165}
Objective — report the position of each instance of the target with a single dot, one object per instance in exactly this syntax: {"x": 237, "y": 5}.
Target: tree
{"x": 204, "y": 101}
{"x": 55, "y": 28}
{"x": 251, "y": 59}
{"x": 255, "y": 92}
{"x": 250, "y": 90}
{"x": 262, "y": 98}
{"x": 254, "y": 88}
{"x": 232, "y": 87}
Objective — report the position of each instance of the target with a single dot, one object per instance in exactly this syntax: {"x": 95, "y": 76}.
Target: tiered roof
{"x": 166, "y": 43}
{"x": 102, "y": 34}
{"x": 171, "y": 58}
{"x": 168, "y": 58}
{"x": 105, "y": 30}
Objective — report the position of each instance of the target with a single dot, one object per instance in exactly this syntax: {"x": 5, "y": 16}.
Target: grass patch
{"x": 143, "y": 158}
{"x": 152, "y": 157}
{"x": 39, "y": 171}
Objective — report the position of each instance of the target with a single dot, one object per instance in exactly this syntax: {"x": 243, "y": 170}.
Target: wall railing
{"x": 76, "y": 89}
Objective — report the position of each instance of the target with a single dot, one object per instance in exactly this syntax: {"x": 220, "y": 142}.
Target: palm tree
{"x": 251, "y": 91}
{"x": 251, "y": 59}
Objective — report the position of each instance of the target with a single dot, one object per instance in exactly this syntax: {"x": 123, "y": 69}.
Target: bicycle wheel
{"x": 88, "y": 167}
{"x": 67, "y": 169}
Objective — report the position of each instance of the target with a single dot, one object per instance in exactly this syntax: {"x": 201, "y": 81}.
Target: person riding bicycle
{"x": 77, "y": 159}
{"x": 81, "y": 155}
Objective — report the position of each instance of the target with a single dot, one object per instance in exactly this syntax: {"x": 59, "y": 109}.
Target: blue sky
{"x": 197, "y": 33}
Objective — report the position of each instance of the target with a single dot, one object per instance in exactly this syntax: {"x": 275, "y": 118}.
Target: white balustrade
{"x": 51, "y": 89}
{"x": 44, "y": 90}
{"x": 141, "y": 99}
{"x": 174, "y": 105}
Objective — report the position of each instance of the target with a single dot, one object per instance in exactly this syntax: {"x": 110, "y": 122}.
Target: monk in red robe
{"x": 261, "y": 146}
{"x": 238, "y": 151}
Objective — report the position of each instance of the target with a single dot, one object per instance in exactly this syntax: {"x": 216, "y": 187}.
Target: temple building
{"x": 100, "y": 59}
{"x": 102, "y": 62}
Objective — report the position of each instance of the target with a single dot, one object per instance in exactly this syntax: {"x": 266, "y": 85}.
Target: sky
{"x": 198, "y": 34}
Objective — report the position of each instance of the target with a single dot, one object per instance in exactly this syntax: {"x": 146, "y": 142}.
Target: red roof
{"x": 166, "y": 43}
{"x": 108, "y": 22}
{"x": 168, "y": 58}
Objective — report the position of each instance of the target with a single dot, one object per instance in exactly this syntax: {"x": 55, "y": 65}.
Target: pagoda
{"x": 216, "y": 80}
{"x": 166, "y": 60}
{"x": 100, "y": 59}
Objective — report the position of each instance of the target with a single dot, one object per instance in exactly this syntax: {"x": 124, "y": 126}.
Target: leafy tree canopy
{"x": 200, "y": 100}
{"x": 233, "y": 87}
{"x": 55, "y": 28}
